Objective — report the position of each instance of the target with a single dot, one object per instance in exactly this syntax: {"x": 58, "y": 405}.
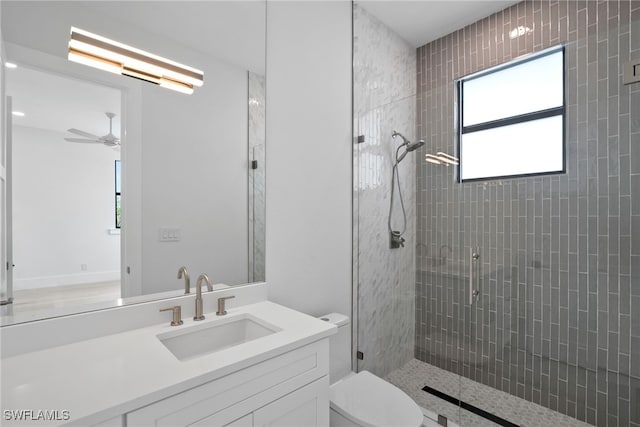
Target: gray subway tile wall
{"x": 557, "y": 321}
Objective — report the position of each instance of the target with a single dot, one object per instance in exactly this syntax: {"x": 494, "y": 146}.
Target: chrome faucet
{"x": 199, "y": 315}
{"x": 187, "y": 284}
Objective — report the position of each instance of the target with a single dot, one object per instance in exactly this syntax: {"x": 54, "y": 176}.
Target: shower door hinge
{"x": 360, "y": 355}
{"x": 254, "y": 164}
{"x": 359, "y": 139}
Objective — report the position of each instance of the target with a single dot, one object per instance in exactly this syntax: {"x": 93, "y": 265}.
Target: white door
{"x": 6, "y": 257}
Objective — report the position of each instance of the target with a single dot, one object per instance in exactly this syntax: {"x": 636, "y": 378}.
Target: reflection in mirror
{"x": 65, "y": 234}
{"x": 256, "y": 177}
{"x": 191, "y": 167}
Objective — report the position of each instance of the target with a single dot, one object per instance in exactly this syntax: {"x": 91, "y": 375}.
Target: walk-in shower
{"x": 553, "y": 335}
{"x": 395, "y": 236}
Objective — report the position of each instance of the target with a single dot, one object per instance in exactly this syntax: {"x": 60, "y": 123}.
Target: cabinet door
{"x": 307, "y": 406}
{"x": 230, "y": 397}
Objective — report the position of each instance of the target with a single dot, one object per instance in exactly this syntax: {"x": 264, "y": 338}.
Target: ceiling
{"x": 233, "y": 31}
{"x": 57, "y": 103}
{"x": 422, "y": 21}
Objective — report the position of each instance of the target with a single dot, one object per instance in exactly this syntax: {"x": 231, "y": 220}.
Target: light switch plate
{"x": 169, "y": 234}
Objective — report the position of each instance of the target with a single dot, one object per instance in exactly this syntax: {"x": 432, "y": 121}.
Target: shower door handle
{"x": 472, "y": 292}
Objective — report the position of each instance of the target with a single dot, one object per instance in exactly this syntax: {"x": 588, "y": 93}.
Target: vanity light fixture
{"x": 10, "y": 65}
{"x": 18, "y": 113}
{"x": 108, "y": 55}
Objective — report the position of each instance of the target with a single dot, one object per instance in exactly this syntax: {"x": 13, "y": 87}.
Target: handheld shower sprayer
{"x": 396, "y": 239}
{"x": 409, "y": 146}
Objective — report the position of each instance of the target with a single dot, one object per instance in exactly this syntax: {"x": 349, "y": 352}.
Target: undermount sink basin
{"x": 214, "y": 336}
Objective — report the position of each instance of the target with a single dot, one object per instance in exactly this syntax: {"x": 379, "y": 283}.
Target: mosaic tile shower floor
{"x": 416, "y": 374}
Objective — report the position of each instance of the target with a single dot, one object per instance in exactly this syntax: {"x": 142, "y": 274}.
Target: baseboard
{"x": 67, "y": 279}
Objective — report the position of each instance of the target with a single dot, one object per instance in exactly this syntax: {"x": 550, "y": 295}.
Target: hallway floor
{"x": 416, "y": 374}
{"x": 42, "y": 303}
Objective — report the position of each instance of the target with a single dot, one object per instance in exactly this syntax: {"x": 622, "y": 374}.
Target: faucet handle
{"x": 221, "y": 310}
{"x": 177, "y": 315}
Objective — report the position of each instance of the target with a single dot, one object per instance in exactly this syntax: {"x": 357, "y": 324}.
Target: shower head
{"x": 409, "y": 146}
{"x": 412, "y": 146}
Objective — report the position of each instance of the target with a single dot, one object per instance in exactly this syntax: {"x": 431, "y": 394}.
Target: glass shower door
{"x": 492, "y": 300}
{"x": 385, "y": 276}
{"x": 442, "y": 273}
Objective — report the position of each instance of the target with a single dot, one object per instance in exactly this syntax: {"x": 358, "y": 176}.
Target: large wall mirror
{"x": 96, "y": 225}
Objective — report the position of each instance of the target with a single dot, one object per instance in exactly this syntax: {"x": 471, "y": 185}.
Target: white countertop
{"x": 107, "y": 376}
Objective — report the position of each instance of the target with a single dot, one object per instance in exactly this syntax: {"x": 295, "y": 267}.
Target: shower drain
{"x": 469, "y": 407}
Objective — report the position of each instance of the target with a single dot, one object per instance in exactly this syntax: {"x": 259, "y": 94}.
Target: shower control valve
{"x": 397, "y": 241}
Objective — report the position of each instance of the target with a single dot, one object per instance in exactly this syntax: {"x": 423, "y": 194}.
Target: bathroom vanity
{"x": 260, "y": 364}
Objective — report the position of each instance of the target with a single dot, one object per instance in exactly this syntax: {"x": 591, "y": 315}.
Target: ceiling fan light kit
{"x": 108, "y": 55}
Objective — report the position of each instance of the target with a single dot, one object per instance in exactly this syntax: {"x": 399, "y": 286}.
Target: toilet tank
{"x": 339, "y": 346}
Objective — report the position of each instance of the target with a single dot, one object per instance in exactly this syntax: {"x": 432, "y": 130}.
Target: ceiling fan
{"x": 110, "y": 140}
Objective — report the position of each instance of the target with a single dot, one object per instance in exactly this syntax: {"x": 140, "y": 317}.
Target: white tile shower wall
{"x": 256, "y": 177}
{"x": 558, "y": 319}
{"x": 384, "y": 101}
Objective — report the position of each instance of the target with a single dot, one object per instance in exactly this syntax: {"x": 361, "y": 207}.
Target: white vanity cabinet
{"x": 290, "y": 389}
{"x": 131, "y": 378}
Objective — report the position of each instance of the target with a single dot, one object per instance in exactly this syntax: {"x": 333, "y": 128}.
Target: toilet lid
{"x": 370, "y": 401}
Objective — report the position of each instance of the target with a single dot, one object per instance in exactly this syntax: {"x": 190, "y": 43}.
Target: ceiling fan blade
{"x": 83, "y": 140}
{"x": 83, "y": 133}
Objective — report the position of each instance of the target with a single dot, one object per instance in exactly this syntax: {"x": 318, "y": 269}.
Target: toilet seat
{"x": 368, "y": 400}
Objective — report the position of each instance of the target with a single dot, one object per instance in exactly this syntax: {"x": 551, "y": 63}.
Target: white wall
{"x": 195, "y": 177}
{"x": 63, "y": 206}
{"x": 309, "y": 239}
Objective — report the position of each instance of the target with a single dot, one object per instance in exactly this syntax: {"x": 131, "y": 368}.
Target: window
{"x": 511, "y": 119}
{"x": 118, "y": 189}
